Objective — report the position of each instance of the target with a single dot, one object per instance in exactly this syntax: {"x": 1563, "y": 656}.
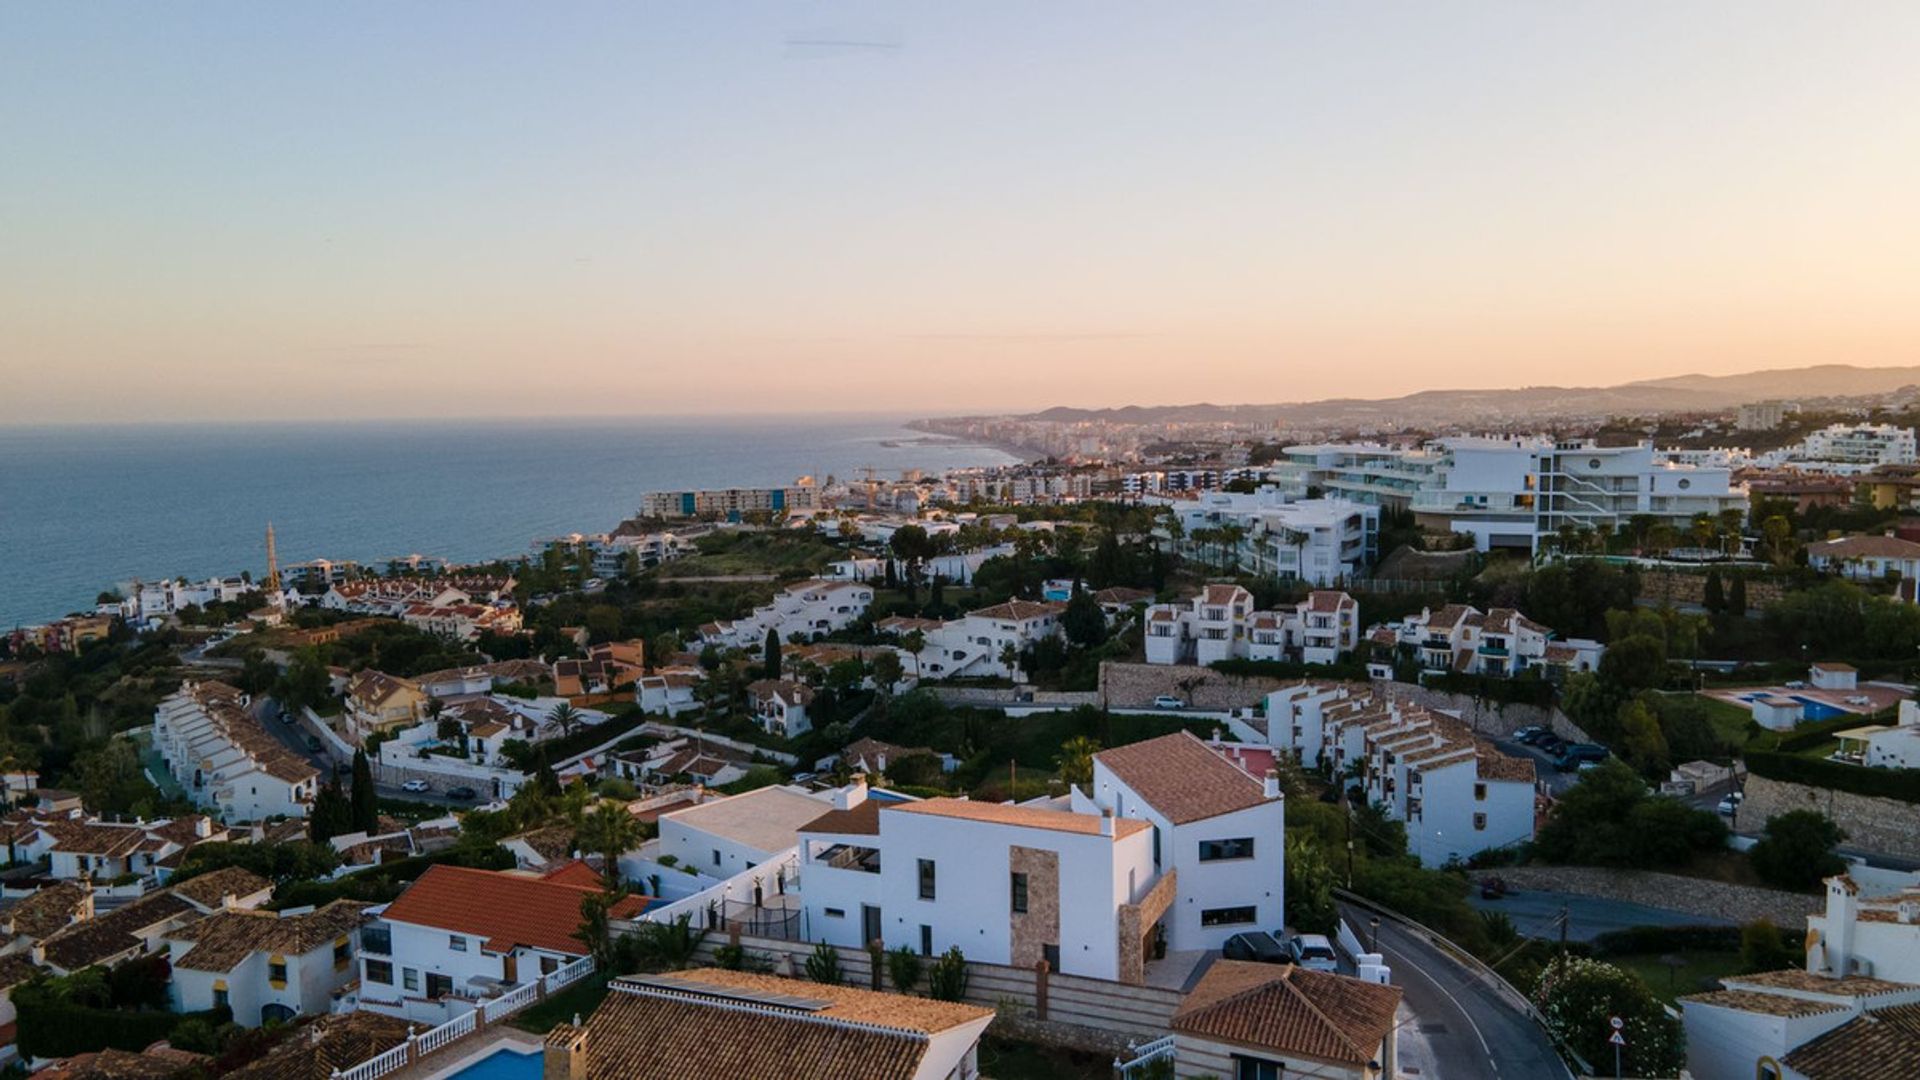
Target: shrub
{"x": 1576, "y": 996}
{"x": 1661, "y": 939}
{"x": 948, "y": 979}
{"x": 50, "y": 1025}
{"x": 824, "y": 965}
{"x": 1796, "y": 850}
{"x": 1763, "y": 948}
{"x": 1902, "y": 784}
{"x": 903, "y": 967}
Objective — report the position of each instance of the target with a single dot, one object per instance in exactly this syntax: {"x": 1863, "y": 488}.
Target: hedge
{"x": 1808, "y": 736}
{"x": 48, "y": 1028}
{"x": 1664, "y": 939}
{"x": 1902, "y": 784}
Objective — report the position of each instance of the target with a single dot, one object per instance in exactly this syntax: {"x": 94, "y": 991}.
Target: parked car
{"x": 1256, "y": 945}
{"x": 1727, "y": 806}
{"x": 1579, "y": 753}
{"x": 1528, "y": 734}
{"x": 1552, "y": 745}
{"x": 464, "y": 794}
{"x": 415, "y": 785}
{"x": 1168, "y": 701}
{"x": 1313, "y": 952}
{"x": 1493, "y": 887}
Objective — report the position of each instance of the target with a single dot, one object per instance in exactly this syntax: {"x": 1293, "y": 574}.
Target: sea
{"x": 88, "y": 508}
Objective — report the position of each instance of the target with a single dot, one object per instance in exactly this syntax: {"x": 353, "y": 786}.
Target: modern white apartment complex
{"x": 1007, "y": 884}
{"x": 976, "y": 643}
{"x": 1457, "y": 794}
{"x": 1849, "y": 448}
{"x": 1220, "y": 624}
{"x": 224, "y": 759}
{"x": 807, "y": 609}
{"x": 1318, "y": 541}
{"x": 1586, "y": 486}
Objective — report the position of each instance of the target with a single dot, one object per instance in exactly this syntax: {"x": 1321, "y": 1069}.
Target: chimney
{"x": 1843, "y": 913}
{"x": 203, "y": 827}
{"x": 1106, "y": 822}
{"x": 565, "y": 1057}
{"x": 1272, "y": 785}
{"x": 852, "y": 795}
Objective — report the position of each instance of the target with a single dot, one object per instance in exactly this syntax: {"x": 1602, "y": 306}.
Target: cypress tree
{"x": 1714, "y": 598}
{"x": 1737, "y": 595}
{"x": 771, "y": 661}
{"x": 366, "y": 800}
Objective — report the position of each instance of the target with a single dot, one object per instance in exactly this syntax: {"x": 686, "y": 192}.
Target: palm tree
{"x": 610, "y": 832}
{"x": 1010, "y": 659}
{"x": 913, "y": 641}
{"x": 566, "y": 716}
{"x": 1075, "y": 760}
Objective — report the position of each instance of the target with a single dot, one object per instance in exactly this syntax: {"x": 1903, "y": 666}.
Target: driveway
{"x": 1535, "y": 913}
{"x": 1556, "y": 782}
{"x": 1470, "y": 1031}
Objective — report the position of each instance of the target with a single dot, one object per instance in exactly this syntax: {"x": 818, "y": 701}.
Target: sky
{"x": 371, "y": 210}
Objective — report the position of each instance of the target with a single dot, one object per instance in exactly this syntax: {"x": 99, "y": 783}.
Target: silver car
{"x": 1314, "y": 952}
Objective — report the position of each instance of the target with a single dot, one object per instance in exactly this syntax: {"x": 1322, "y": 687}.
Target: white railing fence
{"x": 1144, "y": 1055}
{"x": 423, "y": 1043}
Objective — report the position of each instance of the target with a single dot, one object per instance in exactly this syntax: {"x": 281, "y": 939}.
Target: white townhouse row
{"x": 807, "y": 610}
{"x": 1501, "y": 642}
{"x": 1853, "y": 1010}
{"x": 977, "y": 644}
{"x": 1220, "y": 623}
{"x": 1319, "y": 541}
{"x": 218, "y": 751}
{"x": 1457, "y": 794}
{"x": 148, "y": 600}
{"x": 464, "y": 622}
{"x": 392, "y": 596}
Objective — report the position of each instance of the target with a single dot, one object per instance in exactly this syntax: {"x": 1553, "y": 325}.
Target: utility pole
{"x": 1563, "y": 929}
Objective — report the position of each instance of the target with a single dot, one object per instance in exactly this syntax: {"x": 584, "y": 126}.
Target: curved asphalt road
{"x": 1473, "y": 1032}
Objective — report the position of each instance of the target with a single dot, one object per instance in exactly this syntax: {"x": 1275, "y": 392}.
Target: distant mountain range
{"x": 1678, "y": 394}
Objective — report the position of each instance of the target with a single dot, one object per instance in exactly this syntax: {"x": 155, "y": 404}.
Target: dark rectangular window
{"x": 926, "y": 940}
{"x": 380, "y": 971}
{"x": 1228, "y": 916}
{"x": 1246, "y": 1068}
{"x": 438, "y": 985}
{"x": 926, "y": 879}
{"x": 1051, "y": 954}
{"x": 1156, "y": 847}
{"x": 376, "y": 939}
{"x": 1019, "y": 894}
{"x": 1216, "y": 850}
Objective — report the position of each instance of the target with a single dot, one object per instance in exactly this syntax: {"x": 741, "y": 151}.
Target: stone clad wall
{"x": 1489, "y": 717}
{"x": 1039, "y": 925}
{"x": 1882, "y": 826}
{"x": 1694, "y": 896}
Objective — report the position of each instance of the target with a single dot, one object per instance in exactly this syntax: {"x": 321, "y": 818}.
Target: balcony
{"x": 1494, "y": 650}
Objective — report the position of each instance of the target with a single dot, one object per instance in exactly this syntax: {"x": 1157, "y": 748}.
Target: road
{"x": 1473, "y": 1032}
{"x": 294, "y": 737}
{"x": 1534, "y": 912}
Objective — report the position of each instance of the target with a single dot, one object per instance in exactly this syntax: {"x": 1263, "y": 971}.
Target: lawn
{"x": 1011, "y": 1059}
{"x": 581, "y": 998}
{"x": 1731, "y": 722}
{"x": 730, "y": 553}
{"x": 1691, "y": 978}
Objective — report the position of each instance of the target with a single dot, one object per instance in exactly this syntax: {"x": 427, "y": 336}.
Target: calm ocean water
{"x": 85, "y": 508}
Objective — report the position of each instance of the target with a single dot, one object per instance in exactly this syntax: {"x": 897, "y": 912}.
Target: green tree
{"x": 1795, "y": 850}
{"x": 110, "y": 779}
{"x": 1762, "y": 948}
{"x": 1643, "y": 743}
{"x": 887, "y": 671}
{"x": 1083, "y": 621}
{"x": 913, "y": 547}
{"x": 770, "y": 655}
{"x": 1638, "y": 662}
{"x": 903, "y": 968}
{"x": 1577, "y": 996}
{"x": 610, "y": 832}
{"x": 1737, "y": 596}
{"x": 331, "y": 814}
{"x": 1075, "y": 760}
{"x": 366, "y": 798}
{"x": 823, "y": 965}
{"x": 948, "y": 979}
{"x": 1309, "y": 886}
{"x": 565, "y": 716}
{"x": 1714, "y": 597}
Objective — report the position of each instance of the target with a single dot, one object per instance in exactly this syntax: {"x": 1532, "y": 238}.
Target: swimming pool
{"x": 1818, "y": 710}
{"x": 504, "y": 1063}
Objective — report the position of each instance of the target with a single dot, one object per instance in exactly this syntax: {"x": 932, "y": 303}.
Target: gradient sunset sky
{"x": 247, "y": 210}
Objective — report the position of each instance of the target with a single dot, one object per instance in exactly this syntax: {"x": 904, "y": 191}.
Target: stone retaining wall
{"x": 1490, "y": 718}
{"x": 1694, "y": 896}
{"x": 1881, "y": 826}
{"x": 1134, "y": 686}
{"x": 1679, "y": 587}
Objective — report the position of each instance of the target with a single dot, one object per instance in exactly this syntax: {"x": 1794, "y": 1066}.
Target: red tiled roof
{"x": 503, "y": 909}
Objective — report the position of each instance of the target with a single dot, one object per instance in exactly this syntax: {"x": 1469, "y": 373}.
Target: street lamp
{"x": 1375, "y": 947}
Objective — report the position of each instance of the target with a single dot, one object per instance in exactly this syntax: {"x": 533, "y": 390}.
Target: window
{"x": 1019, "y": 888}
{"x": 1479, "y": 793}
{"x": 456, "y": 943}
{"x": 409, "y": 979}
{"x": 716, "y": 856}
{"x": 377, "y": 939}
{"x": 342, "y": 954}
{"x": 1246, "y": 1068}
{"x": 438, "y": 986}
{"x": 1051, "y": 954}
{"x": 926, "y": 879}
{"x": 549, "y": 965}
{"x": 1216, "y": 850}
{"x": 1479, "y": 823}
{"x": 1227, "y": 916}
{"x": 926, "y": 940}
{"x": 277, "y": 971}
{"x": 220, "y": 997}
{"x": 836, "y": 913}
{"x": 1156, "y": 847}
{"x": 380, "y": 971}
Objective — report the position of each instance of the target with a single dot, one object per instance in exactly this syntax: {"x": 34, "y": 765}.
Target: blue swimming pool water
{"x": 1818, "y": 710}
{"x": 502, "y": 1064}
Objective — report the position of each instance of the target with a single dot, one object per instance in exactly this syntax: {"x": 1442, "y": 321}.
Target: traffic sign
{"x": 1617, "y": 1039}
{"x": 1616, "y": 1022}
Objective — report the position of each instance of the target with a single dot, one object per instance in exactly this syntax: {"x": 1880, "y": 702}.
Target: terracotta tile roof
{"x": 210, "y": 888}
{"x": 1024, "y": 816}
{"x": 158, "y": 1063}
{"x": 1494, "y": 765}
{"x": 1224, "y": 594}
{"x": 1808, "y": 982}
{"x": 1121, "y": 596}
{"x": 107, "y": 936}
{"x": 95, "y": 838}
{"x": 16, "y": 968}
{"x": 871, "y": 750}
{"x": 315, "y": 1049}
{"x": 1449, "y": 616}
{"x": 1019, "y": 610}
{"x": 549, "y": 842}
{"x": 862, "y": 820}
{"x": 1765, "y": 1004}
{"x": 693, "y": 1025}
{"x": 1880, "y": 1045}
{"x": 223, "y": 940}
{"x": 503, "y": 910}
{"x": 1326, "y": 602}
{"x": 50, "y": 910}
{"x": 376, "y": 687}
{"x": 1864, "y": 547}
{"x": 1289, "y": 1010}
{"x": 1182, "y": 777}
{"x": 793, "y": 693}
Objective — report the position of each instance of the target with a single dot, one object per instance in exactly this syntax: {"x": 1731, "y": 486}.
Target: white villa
{"x": 806, "y": 610}
{"x": 1501, "y": 643}
{"x": 265, "y": 966}
{"x": 1221, "y": 624}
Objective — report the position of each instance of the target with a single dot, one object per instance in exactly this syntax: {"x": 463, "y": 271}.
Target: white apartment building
{"x": 1318, "y": 541}
{"x": 1388, "y": 476}
{"x": 972, "y": 645}
{"x": 722, "y": 837}
{"x": 1880, "y": 747}
{"x": 1500, "y": 643}
{"x": 780, "y": 706}
{"x": 215, "y": 747}
{"x": 610, "y": 551}
{"x": 1879, "y": 937}
{"x": 1006, "y": 884}
{"x": 1220, "y": 624}
{"x": 730, "y": 504}
{"x": 1220, "y": 831}
{"x": 265, "y": 966}
{"x": 1849, "y": 448}
{"x": 807, "y": 609}
{"x": 1582, "y": 484}
{"x": 1457, "y": 794}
